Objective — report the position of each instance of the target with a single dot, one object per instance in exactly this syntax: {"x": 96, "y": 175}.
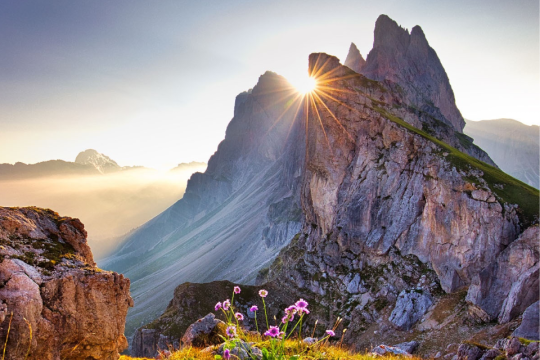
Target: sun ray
{"x": 334, "y": 116}
{"x": 322, "y": 126}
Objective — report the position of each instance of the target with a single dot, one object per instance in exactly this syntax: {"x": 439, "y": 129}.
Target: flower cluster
{"x": 277, "y": 334}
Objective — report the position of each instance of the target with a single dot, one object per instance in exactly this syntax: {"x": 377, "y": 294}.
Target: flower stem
{"x": 265, "y": 315}
{"x": 256, "y": 325}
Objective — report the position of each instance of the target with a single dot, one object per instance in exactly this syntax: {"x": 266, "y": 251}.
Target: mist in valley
{"x": 109, "y": 205}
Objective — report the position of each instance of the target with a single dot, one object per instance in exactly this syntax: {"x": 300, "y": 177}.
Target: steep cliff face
{"x": 514, "y": 146}
{"x": 407, "y": 60}
{"x": 235, "y": 217}
{"x": 396, "y": 218}
{"x": 59, "y": 304}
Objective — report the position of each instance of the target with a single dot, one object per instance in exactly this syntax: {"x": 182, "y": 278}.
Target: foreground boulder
{"x": 204, "y": 332}
{"x": 59, "y": 304}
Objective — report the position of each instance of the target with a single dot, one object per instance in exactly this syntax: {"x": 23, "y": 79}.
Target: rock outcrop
{"x": 508, "y": 285}
{"x": 509, "y": 348}
{"x": 59, "y": 304}
{"x": 411, "y": 305}
{"x": 530, "y": 323}
{"x": 407, "y": 60}
{"x": 355, "y": 61}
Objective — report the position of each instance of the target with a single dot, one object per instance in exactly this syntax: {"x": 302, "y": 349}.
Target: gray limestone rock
{"x": 513, "y": 347}
{"x": 529, "y": 324}
{"x": 411, "y": 305}
{"x": 508, "y": 285}
{"x": 389, "y": 350}
{"x": 469, "y": 352}
{"x": 491, "y": 354}
{"x": 409, "y": 347}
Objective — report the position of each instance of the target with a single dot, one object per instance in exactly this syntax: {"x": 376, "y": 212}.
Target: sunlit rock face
{"x": 235, "y": 217}
{"x": 52, "y": 289}
{"x": 407, "y": 60}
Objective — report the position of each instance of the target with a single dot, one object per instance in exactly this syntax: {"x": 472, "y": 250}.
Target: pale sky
{"x": 153, "y": 83}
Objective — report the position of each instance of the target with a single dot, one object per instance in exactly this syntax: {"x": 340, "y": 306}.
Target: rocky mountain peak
{"x": 407, "y": 60}
{"x": 101, "y": 162}
{"x": 355, "y": 61}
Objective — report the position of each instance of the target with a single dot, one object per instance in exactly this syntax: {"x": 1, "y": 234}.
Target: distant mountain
{"x": 512, "y": 145}
{"x": 21, "y": 170}
{"x": 111, "y": 200}
{"x": 199, "y": 166}
{"x": 101, "y": 162}
{"x": 88, "y": 162}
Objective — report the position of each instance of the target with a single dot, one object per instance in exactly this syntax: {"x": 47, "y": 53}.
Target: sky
{"x": 153, "y": 83}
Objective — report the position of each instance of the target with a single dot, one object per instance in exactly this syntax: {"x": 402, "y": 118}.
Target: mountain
{"x": 21, "y": 170}
{"x": 235, "y": 217}
{"x": 512, "y": 145}
{"x": 101, "y": 162}
{"x": 408, "y": 231}
{"x": 406, "y": 60}
{"x": 355, "y": 61}
{"x": 88, "y": 162}
{"x": 189, "y": 166}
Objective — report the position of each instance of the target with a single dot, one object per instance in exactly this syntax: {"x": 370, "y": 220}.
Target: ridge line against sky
{"x": 153, "y": 84}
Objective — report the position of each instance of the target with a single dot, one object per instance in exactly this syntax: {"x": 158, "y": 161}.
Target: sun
{"x": 305, "y": 84}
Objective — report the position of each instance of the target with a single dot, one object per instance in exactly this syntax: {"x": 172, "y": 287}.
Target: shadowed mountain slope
{"x": 235, "y": 217}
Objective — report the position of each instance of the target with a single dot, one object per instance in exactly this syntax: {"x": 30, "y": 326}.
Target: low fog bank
{"x": 109, "y": 205}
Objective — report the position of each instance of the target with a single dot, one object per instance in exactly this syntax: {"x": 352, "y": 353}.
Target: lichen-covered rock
{"x": 51, "y": 286}
{"x": 410, "y": 307}
{"x": 204, "y": 332}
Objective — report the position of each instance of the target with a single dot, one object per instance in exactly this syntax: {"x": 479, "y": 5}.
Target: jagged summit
{"x": 101, "y": 162}
{"x": 355, "y": 61}
{"x": 407, "y": 60}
